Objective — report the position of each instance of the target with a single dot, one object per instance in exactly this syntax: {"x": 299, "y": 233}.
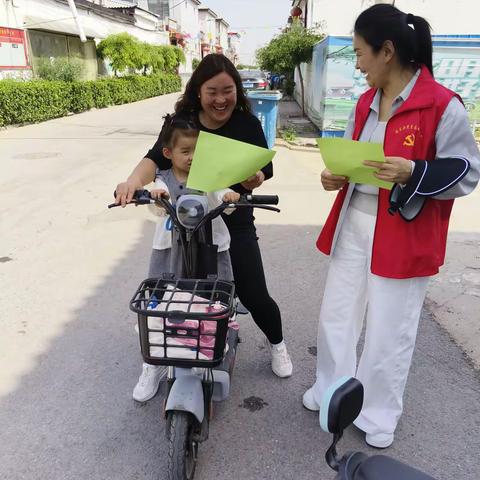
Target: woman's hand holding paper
{"x": 332, "y": 182}
{"x": 394, "y": 169}
{"x": 254, "y": 181}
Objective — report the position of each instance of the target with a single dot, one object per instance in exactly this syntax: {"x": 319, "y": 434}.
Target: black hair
{"x": 382, "y": 22}
{"x": 175, "y": 126}
{"x": 211, "y": 65}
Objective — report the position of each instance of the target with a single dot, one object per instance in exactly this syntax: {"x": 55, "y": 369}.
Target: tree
{"x": 143, "y": 59}
{"x": 195, "y": 63}
{"x": 157, "y": 59}
{"x": 180, "y": 56}
{"x": 150, "y": 57}
{"x": 123, "y": 50}
{"x": 170, "y": 58}
{"x": 287, "y": 51}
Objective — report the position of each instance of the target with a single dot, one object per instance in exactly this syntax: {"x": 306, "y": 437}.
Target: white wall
{"x": 222, "y": 34}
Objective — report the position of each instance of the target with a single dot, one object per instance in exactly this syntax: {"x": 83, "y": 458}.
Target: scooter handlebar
{"x": 140, "y": 197}
{"x": 262, "y": 199}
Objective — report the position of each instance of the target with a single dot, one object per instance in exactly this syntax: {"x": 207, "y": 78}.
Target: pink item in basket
{"x": 207, "y": 353}
{"x": 208, "y": 326}
{"x": 207, "y": 341}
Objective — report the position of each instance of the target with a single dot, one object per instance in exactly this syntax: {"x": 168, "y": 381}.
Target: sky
{"x": 258, "y": 21}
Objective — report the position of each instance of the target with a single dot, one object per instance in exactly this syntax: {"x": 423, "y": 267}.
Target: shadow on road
{"x": 73, "y": 417}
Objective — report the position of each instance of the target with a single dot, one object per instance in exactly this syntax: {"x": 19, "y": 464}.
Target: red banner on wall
{"x": 13, "y": 51}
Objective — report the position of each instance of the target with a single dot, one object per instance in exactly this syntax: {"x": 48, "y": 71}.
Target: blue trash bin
{"x": 265, "y": 108}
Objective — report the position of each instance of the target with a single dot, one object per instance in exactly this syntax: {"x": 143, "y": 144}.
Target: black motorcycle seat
{"x": 381, "y": 467}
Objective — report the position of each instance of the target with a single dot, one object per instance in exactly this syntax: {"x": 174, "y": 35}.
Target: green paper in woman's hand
{"x": 219, "y": 162}
{"x": 345, "y": 157}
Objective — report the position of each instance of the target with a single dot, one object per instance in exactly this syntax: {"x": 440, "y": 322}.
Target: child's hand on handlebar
{"x": 231, "y": 197}
{"x": 158, "y": 193}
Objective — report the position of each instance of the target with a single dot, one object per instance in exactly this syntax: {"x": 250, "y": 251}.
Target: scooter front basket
{"x": 183, "y": 322}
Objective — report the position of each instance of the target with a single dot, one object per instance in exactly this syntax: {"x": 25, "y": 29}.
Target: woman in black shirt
{"x": 214, "y": 97}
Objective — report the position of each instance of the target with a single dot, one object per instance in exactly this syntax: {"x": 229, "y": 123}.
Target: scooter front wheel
{"x": 182, "y": 449}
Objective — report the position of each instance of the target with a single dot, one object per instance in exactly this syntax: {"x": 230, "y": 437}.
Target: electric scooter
{"x": 189, "y": 325}
{"x": 341, "y": 405}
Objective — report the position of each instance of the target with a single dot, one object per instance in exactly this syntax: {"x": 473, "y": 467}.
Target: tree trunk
{"x": 302, "y": 88}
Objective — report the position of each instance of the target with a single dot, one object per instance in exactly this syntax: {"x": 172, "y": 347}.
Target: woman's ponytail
{"x": 423, "y": 41}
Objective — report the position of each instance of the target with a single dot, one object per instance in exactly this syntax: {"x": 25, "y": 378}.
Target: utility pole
{"x": 81, "y": 33}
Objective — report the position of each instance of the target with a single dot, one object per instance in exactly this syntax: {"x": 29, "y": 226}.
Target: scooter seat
{"x": 381, "y": 467}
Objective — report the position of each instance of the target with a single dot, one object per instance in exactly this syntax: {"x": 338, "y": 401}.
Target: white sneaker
{"x": 309, "y": 401}
{"x": 379, "y": 440}
{"x": 281, "y": 362}
{"x": 148, "y": 382}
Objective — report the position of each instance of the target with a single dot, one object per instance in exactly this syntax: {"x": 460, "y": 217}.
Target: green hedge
{"x": 39, "y": 100}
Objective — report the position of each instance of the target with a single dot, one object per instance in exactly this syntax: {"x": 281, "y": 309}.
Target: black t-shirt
{"x": 242, "y": 126}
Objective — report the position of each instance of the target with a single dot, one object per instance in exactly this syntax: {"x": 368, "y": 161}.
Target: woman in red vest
{"x": 385, "y": 245}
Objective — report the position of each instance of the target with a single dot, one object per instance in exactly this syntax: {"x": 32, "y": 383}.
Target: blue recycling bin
{"x": 265, "y": 107}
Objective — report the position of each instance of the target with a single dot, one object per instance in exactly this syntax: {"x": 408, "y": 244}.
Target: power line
{"x": 29, "y": 25}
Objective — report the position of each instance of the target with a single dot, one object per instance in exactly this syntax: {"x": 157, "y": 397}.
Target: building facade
{"x": 187, "y": 35}
{"x": 206, "y": 19}
{"x": 221, "y": 35}
{"x": 34, "y": 29}
{"x": 233, "y": 50}
{"x": 37, "y": 29}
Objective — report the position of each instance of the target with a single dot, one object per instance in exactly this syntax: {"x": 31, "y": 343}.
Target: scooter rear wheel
{"x": 182, "y": 449}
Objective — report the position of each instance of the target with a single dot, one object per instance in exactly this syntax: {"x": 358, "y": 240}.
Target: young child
{"x": 179, "y": 139}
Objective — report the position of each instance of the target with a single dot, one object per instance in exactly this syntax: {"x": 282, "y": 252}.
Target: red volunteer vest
{"x": 404, "y": 249}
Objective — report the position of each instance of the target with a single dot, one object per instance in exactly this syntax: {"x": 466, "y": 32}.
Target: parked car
{"x": 253, "y": 79}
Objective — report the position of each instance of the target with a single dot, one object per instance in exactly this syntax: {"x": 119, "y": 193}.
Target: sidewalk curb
{"x": 279, "y": 142}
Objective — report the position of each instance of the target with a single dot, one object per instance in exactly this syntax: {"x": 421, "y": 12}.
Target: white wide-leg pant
{"x": 393, "y": 310}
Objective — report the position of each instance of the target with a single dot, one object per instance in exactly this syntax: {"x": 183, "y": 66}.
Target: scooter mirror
{"x": 341, "y": 405}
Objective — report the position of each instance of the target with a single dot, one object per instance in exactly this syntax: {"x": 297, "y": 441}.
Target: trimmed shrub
{"x": 40, "y": 100}
{"x": 81, "y": 96}
{"x": 35, "y": 101}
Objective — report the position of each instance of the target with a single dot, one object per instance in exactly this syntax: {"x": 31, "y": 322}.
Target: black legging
{"x": 250, "y": 283}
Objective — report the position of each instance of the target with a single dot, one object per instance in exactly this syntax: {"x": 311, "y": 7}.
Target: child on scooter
{"x": 179, "y": 141}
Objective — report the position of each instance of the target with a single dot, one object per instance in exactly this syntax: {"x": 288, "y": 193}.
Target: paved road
{"x": 69, "y": 353}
